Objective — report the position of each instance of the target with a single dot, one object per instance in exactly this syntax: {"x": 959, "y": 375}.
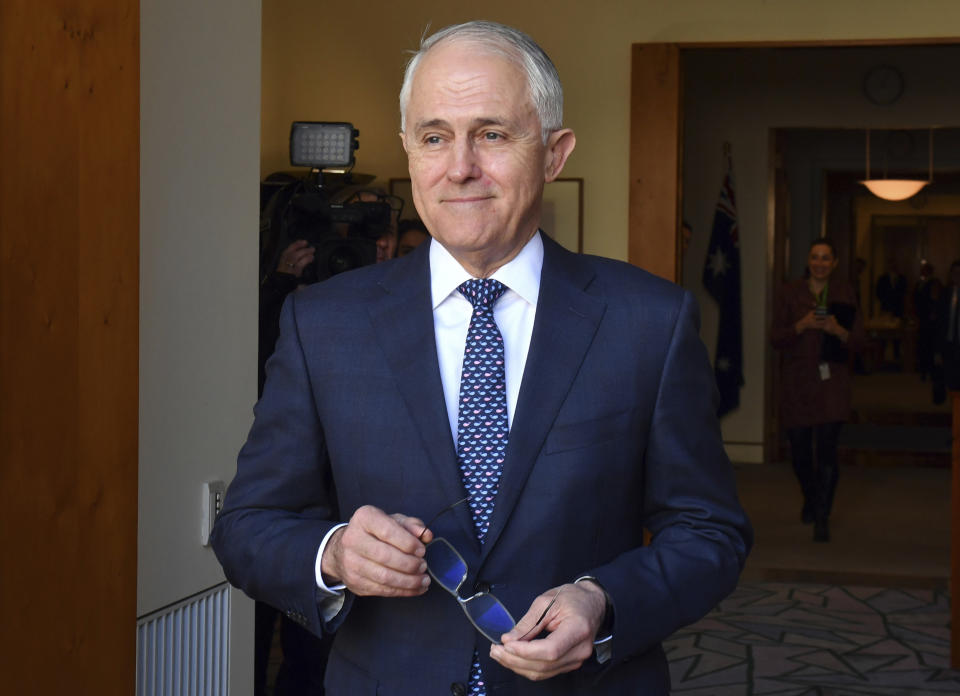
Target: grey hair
{"x": 543, "y": 81}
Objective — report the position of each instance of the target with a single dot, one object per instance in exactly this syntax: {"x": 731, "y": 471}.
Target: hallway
{"x": 890, "y": 527}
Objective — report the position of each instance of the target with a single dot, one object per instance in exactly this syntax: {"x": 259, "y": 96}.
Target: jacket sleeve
{"x": 700, "y": 533}
{"x": 280, "y": 504}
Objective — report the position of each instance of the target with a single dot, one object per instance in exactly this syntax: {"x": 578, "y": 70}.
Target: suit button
{"x": 458, "y": 689}
{"x": 481, "y": 586}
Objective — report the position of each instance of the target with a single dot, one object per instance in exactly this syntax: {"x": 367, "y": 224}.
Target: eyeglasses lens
{"x": 489, "y": 616}
{"x": 445, "y": 565}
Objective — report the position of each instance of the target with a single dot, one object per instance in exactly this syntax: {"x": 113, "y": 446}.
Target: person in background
{"x": 926, "y": 294}
{"x": 411, "y": 234}
{"x": 816, "y": 324}
{"x": 891, "y": 293}
{"x": 946, "y": 372}
{"x": 859, "y": 266}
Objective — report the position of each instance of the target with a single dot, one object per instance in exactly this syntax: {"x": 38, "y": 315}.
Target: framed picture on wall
{"x": 562, "y": 214}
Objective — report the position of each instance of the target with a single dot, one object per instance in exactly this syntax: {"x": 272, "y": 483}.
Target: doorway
{"x": 882, "y": 246}
{"x": 745, "y": 95}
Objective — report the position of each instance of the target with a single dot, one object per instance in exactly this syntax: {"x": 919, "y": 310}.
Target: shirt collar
{"x": 521, "y": 274}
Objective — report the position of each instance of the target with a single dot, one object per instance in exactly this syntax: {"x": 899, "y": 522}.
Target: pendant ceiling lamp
{"x": 896, "y": 189}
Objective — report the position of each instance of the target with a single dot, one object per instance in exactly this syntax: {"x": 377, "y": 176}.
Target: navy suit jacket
{"x": 614, "y": 431}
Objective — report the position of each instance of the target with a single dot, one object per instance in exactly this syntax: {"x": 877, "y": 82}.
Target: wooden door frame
{"x": 656, "y": 194}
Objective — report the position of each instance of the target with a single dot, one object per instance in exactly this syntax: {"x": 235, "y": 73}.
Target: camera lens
{"x": 343, "y": 258}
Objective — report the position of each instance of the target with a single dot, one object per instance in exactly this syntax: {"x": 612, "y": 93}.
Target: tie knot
{"x": 482, "y": 292}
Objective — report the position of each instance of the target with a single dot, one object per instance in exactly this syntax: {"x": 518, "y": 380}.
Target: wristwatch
{"x": 605, "y": 632}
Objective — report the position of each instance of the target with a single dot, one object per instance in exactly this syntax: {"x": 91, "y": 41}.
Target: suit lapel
{"x": 403, "y": 323}
{"x": 566, "y": 322}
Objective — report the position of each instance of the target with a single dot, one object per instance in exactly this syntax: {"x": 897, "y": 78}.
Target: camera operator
{"x": 359, "y": 231}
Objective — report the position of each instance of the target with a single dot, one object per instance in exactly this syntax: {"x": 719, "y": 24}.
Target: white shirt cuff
{"x": 603, "y": 649}
{"x": 336, "y": 590}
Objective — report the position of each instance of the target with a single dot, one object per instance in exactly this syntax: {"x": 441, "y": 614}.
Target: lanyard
{"x": 822, "y": 297}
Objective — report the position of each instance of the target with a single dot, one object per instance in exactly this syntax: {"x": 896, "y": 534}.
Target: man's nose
{"x": 463, "y": 164}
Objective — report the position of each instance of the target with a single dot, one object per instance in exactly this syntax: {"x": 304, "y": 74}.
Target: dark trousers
{"x": 926, "y": 344}
{"x": 818, "y": 474}
{"x": 304, "y": 655}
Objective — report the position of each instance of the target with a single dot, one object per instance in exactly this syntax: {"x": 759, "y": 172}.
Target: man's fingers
{"x": 359, "y": 544}
{"x": 296, "y": 257}
{"x": 571, "y": 616}
{"x": 377, "y": 554}
{"x": 388, "y": 529}
{"x": 560, "y": 652}
{"x": 415, "y": 526}
{"x": 366, "y": 577}
{"x": 538, "y": 615}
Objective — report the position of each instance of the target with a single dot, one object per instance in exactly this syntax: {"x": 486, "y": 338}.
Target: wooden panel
{"x": 69, "y": 275}
{"x": 655, "y": 126}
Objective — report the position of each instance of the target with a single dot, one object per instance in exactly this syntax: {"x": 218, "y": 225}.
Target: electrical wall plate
{"x": 210, "y": 505}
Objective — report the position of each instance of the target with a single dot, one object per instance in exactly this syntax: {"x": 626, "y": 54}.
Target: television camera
{"x": 331, "y": 208}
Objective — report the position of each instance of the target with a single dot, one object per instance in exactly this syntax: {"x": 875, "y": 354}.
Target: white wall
{"x": 199, "y": 193}
{"x": 739, "y": 95}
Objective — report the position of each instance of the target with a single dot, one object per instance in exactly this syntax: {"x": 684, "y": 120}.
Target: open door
{"x": 655, "y": 150}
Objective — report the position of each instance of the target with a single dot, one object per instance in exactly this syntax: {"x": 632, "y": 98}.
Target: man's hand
{"x": 297, "y": 256}
{"x": 572, "y": 623}
{"x": 378, "y": 554}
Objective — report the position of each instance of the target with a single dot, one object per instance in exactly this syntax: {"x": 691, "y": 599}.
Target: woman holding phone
{"x": 816, "y": 326}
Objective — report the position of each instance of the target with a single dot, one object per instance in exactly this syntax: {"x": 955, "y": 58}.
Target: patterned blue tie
{"x": 482, "y": 425}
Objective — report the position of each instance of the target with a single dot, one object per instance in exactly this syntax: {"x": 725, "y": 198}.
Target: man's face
{"x": 410, "y": 240}
{"x": 477, "y": 161}
{"x": 387, "y": 246}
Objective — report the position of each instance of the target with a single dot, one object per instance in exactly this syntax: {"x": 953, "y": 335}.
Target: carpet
{"x": 789, "y": 639}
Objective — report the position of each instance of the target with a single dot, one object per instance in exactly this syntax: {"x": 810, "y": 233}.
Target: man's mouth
{"x": 467, "y": 199}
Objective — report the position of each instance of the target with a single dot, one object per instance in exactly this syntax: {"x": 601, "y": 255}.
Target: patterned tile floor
{"x": 788, "y": 639}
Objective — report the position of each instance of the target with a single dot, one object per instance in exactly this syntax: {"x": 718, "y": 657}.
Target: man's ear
{"x": 559, "y": 146}
{"x": 403, "y": 140}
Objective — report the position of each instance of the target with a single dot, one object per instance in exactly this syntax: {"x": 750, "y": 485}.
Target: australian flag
{"x": 721, "y": 277}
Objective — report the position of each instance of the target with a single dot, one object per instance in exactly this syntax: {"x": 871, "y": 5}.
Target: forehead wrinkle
{"x": 476, "y": 123}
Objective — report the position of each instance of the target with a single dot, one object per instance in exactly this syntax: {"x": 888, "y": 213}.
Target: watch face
{"x": 883, "y": 84}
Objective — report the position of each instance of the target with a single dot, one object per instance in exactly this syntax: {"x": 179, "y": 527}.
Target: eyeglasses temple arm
{"x": 543, "y": 615}
{"x": 439, "y": 514}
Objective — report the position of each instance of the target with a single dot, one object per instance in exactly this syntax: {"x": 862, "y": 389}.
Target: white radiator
{"x": 184, "y": 649}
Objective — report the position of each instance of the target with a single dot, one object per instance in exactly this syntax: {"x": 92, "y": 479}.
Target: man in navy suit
{"x": 612, "y": 428}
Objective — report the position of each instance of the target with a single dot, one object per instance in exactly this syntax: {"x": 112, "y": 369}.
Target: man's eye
{"x": 492, "y": 136}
